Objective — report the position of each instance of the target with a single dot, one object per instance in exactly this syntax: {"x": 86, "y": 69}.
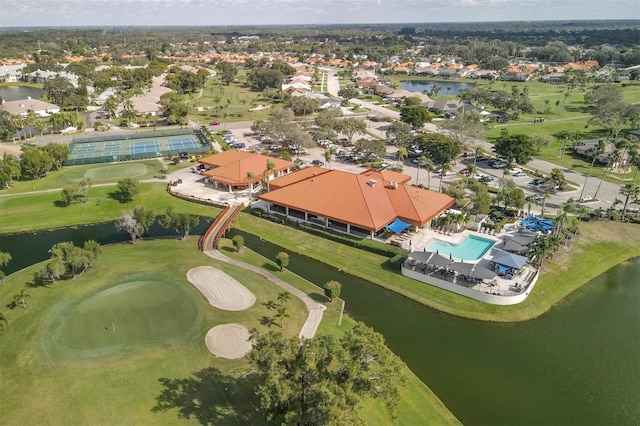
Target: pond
{"x": 31, "y": 247}
{"x": 577, "y": 364}
{"x": 16, "y": 93}
{"x": 446, "y": 87}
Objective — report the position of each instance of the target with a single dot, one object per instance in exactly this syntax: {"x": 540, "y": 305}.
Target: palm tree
{"x": 283, "y": 298}
{"x": 110, "y": 106}
{"x": 435, "y": 90}
{"x": 478, "y": 153}
{"x": 629, "y": 190}
{"x": 270, "y": 169}
{"x": 472, "y": 169}
{"x": 545, "y": 197}
{"x": 282, "y": 314}
{"x": 445, "y": 168}
{"x": 402, "y": 153}
{"x": 250, "y": 177}
{"x": 40, "y": 126}
{"x": 614, "y": 158}
{"x": 422, "y": 160}
{"x": 21, "y": 298}
{"x": 598, "y": 150}
{"x": 328, "y": 155}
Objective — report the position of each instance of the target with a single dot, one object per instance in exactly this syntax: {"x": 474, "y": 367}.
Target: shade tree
{"x": 136, "y": 223}
{"x": 179, "y": 222}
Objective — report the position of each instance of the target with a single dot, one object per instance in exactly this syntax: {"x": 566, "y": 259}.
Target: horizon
{"x": 200, "y": 13}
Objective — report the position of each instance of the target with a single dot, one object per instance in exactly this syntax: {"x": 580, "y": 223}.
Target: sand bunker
{"x": 229, "y": 341}
{"x": 220, "y": 289}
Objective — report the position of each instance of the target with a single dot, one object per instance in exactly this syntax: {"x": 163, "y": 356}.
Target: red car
{"x": 214, "y": 123}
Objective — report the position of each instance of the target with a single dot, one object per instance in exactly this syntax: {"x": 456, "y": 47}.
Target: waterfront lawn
{"x": 31, "y": 212}
{"x": 601, "y": 246}
{"x": 86, "y": 379}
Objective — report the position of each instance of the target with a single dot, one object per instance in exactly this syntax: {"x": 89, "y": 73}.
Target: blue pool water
{"x": 472, "y": 248}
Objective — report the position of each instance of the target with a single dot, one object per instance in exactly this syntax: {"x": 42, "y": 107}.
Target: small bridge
{"x": 212, "y": 237}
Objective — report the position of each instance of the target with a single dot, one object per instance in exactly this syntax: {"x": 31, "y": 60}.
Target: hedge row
{"x": 396, "y": 254}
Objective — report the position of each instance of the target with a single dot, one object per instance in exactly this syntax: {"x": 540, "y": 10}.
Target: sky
{"x": 17, "y": 13}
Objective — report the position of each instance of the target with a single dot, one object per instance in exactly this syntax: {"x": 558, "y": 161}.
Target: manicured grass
{"x": 90, "y": 386}
{"x": 31, "y": 212}
{"x": 228, "y": 103}
{"x": 98, "y": 173}
{"x": 601, "y": 246}
{"x": 63, "y": 363}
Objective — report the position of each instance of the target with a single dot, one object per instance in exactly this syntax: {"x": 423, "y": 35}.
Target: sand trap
{"x": 220, "y": 289}
{"x": 229, "y": 341}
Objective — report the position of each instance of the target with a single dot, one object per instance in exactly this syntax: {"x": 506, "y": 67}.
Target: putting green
{"x": 116, "y": 171}
{"x": 122, "y": 317}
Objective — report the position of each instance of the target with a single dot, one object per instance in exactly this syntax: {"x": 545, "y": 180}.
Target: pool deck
{"x": 499, "y": 290}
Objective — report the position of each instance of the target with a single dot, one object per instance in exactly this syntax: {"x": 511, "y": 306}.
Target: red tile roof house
{"x": 239, "y": 170}
{"x": 359, "y": 204}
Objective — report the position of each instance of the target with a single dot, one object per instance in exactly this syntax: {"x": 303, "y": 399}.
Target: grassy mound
{"x": 119, "y": 171}
{"x": 125, "y": 315}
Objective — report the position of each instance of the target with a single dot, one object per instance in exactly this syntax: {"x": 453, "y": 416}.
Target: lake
{"x": 577, "y": 364}
{"x": 422, "y": 86}
{"x": 15, "y": 93}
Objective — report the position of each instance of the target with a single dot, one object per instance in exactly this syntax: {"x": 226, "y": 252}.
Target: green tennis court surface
{"x": 114, "y": 148}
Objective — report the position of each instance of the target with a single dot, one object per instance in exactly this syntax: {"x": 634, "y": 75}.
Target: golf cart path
{"x": 315, "y": 309}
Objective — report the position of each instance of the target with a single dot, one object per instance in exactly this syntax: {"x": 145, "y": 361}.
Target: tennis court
{"x": 113, "y": 148}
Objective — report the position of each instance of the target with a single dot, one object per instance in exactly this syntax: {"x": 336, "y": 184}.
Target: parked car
{"x": 214, "y": 123}
{"x": 317, "y": 163}
{"x": 237, "y": 145}
{"x": 498, "y": 164}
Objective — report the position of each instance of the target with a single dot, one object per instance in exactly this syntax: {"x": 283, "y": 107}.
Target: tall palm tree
{"x": 282, "y": 313}
{"x": 598, "y": 150}
{"x": 110, "y": 105}
{"x": 250, "y": 177}
{"x": 40, "y": 126}
{"x": 630, "y": 191}
{"x": 614, "y": 158}
{"x": 478, "y": 153}
{"x": 328, "y": 155}
{"x": 545, "y": 197}
{"x": 268, "y": 171}
{"x": 445, "y": 168}
{"x": 422, "y": 160}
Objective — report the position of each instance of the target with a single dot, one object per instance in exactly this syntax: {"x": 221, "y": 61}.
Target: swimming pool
{"x": 472, "y": 248}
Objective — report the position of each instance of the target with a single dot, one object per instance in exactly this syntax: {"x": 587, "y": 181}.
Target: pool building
{"x": 485, "y": 268}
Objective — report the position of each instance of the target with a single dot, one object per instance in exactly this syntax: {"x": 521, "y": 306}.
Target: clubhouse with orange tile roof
{"x": 238, "y": 170}
{"x": 360, "y": 204}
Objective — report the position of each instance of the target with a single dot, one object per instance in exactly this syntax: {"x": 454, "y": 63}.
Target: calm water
{"x": 15, "y": 93}
{"x": 421, "y": 86}
{"x": 31, "y": 247}
{"x": 578, "y": 364}
{"x": 472, "y": 248}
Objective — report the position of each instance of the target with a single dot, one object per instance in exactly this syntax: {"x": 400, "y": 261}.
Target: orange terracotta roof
{"x": 359, "y": 200}
{"x": 297, "y": 176}
{"x": 387, "y": 176}
{"x": 232, "y": 167}
{"x": 418, "y": 206}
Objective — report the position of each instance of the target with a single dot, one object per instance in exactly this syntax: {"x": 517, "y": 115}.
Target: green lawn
{"x": 31, "y": 212}
{"x": 227, "y": 103}
{"x": 601, "y": 246}
{"x": 128, "y": 336}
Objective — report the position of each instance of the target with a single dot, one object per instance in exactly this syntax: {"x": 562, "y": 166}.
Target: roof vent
{"x": 372, "y": 182}
{"x": 393, "y": 185}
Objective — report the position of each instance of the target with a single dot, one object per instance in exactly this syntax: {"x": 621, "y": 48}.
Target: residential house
{"x": 24, "y": 107}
